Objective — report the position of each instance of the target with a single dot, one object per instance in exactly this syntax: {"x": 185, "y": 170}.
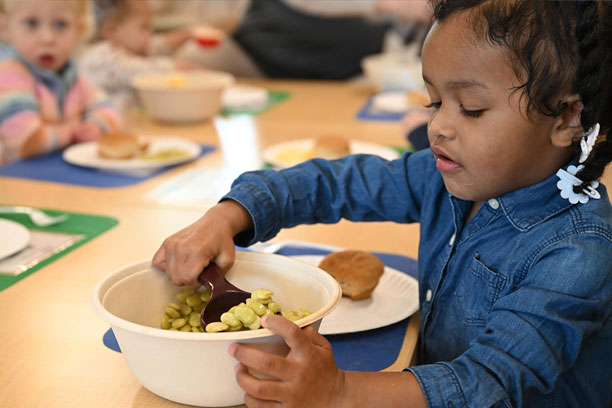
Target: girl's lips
{"x": 444, "y": 163}
{"x": 46, "y": 61}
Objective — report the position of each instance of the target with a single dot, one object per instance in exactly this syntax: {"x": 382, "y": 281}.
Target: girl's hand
{"x": 307, "y": 377}
{"x": 186, "y": 253}
{"x": 86, "y": 131}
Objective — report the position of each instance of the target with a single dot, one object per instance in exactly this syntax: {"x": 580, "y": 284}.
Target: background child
{"x": 128, "y": 48}
{"x": 44, "y": 103}
{"x": 515, "y": 265}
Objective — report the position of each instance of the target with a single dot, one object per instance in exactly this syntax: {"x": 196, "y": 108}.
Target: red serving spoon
{"x": 223, "y": 296}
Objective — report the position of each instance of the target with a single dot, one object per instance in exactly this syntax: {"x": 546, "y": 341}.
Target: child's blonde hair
{"x": 83, "y": 8}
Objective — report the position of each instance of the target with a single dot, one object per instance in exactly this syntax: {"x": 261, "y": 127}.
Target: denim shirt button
{"x": 494, "y": 204}
{"x": 428, "y": 295}
{"x": 452, "y": 240}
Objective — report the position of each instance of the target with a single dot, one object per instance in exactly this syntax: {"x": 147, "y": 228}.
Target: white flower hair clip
{"x": 587, "y": 142}
{"x": 567, "y": 182}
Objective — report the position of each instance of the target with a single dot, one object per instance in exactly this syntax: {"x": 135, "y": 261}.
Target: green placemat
{"x": 274, "y": 98}
{"x": 87, "y": 225}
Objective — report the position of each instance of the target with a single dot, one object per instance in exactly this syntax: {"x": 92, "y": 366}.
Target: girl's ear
{"x": 567, "y": 127}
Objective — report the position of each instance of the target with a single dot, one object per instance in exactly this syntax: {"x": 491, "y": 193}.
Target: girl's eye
{"x": 60, "y": 25}
{"x": 31, "y": 23}
{"x": 472, "y": 113}
{"x": 435, "y": 105}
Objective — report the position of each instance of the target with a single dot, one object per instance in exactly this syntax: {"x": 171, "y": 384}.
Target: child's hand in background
{"x": 86, "y": 131}
{"x": 186, "y": 65}
{"x": 307, "y": 377}
{"x": 413, "y": 120}
{"x": 186, "y": 253}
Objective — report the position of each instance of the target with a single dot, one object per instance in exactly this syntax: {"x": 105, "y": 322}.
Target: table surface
{"x": 51, "y": 339}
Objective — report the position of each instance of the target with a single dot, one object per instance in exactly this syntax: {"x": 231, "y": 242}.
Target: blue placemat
{"x": 53, "y": 168}
{"x": 366, "y": 113}
{"x": 371, "y": 350}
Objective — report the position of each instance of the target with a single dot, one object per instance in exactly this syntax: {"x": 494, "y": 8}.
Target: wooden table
{"x": 50, "y": 338}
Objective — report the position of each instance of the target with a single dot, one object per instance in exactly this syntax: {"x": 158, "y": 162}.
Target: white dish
{"x": 13, "y": 237}
{"x": 293, "y": 152}
{"x": 86, "y": 155}
{"x": 395, "y": 298}
{"x": 244, "y": 97}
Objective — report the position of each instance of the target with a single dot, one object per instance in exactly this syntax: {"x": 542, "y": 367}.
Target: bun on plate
{"x": 331, "y": 147}
{"x": 357, "y": 272}
{"x": 120, "y": 145}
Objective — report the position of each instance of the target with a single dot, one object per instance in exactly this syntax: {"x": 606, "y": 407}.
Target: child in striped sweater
{"x": 45, "y": 104}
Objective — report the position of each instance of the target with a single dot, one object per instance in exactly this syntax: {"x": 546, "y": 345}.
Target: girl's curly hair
{"x": 556, "y": 47}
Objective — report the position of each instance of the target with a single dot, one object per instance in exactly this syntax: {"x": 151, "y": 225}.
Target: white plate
{"x": 395, "y": 298}
{"x": 13, "y": 237}
{"x": 293, "y": 152}
{"x": 86, "y": 155}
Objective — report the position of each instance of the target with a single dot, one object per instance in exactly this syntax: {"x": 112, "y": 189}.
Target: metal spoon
{"x": 223, "y": 296}
{"x": 38, "y": 217}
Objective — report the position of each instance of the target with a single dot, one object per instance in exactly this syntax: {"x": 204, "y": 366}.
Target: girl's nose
{"x": 46, "y": 34}
{"x": 440, "y": 126}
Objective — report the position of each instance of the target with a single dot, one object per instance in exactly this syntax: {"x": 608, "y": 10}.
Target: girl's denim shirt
{"x": 515, "y": 304}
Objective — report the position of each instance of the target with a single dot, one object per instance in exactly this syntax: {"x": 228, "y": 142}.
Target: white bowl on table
{"x": 393, "y": 71}
{"x": 195, "y": 368}
{"x": 182, "y": 96}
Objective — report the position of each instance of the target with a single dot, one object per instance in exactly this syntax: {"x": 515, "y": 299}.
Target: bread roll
{"x": 357, "y": 272}
{"x": 120, "y": 145}
{"x": 331, "y": 147}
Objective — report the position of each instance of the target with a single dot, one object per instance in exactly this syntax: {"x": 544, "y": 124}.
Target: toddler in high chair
{"x": 128, "y": 47}
{"x": 515, "y": 254}
{"x": 45, "y": 104}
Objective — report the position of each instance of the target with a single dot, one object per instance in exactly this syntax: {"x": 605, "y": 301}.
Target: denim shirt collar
{"x": 534, "y": 204}
{"x": 58, "y": 82}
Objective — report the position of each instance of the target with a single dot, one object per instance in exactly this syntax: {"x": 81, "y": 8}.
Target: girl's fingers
{"x": 159, "y": 259}
{"x": 171, "y": 261}
{"x": 266, "y": 363}
{"x": 193, "y": 266}
{"x": 264, "y": 391}
{"x": 288, "y": 330}
{"x": 313, "y": 335}
{"x": 225, "y": 258}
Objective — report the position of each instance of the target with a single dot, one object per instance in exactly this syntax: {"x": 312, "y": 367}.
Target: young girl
{"x": 515, "y": 261}
{"x": 128, "y": 48}
{"x": 44, "y": 103}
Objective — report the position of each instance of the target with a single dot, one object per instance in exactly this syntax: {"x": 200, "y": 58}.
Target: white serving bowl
{"x": 195, "y": 368}
{"x": 182, "y": 97}
{"x": 393, "y": 71}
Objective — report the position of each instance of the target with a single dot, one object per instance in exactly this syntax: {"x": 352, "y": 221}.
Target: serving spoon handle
{"x": 223, "y": 295}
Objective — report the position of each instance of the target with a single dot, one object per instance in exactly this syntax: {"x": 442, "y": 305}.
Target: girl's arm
{"x": 358, "y": 188}
{"x": 262, "y": 202}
